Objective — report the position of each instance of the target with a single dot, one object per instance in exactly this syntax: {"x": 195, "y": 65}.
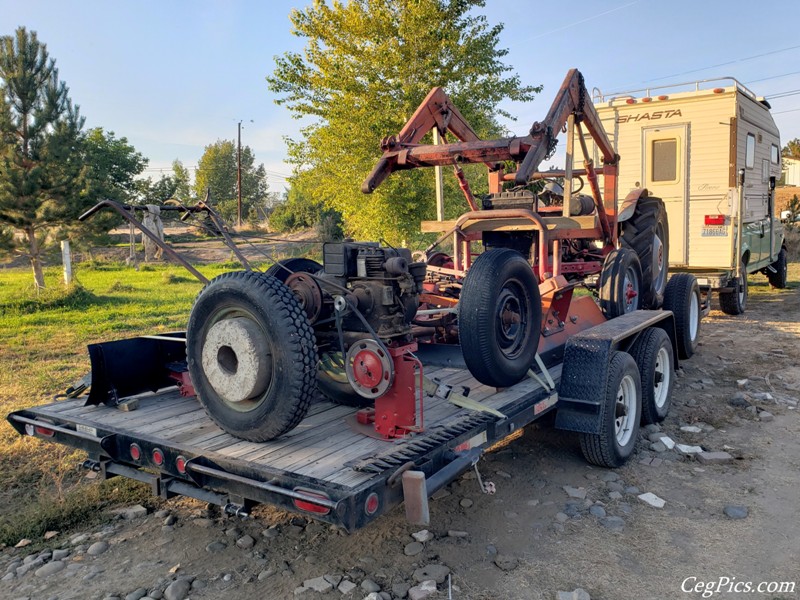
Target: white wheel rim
{"x": 694, "y": 316}
{"x": 625, "y": 410}
{"x": 661, "y": 378}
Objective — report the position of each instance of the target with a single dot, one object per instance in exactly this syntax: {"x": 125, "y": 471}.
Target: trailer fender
{"x": 629, "y": 204}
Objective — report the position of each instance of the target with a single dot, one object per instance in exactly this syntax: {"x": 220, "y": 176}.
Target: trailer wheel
{"x": 251, "y": 355}
{"x": 652, "y": 352}
{"x": 779, "y": 277}
{"x": 499, "y": 317}
{"x": 295, "y": 265}
{"x": 735, "y": 301}
{"x": 682, "y": 297}
{"x": 333, "y": 383}
{"x": 619, "y": 417}
{"x": 647, "y": 234}
{"x": 620, "y": 283}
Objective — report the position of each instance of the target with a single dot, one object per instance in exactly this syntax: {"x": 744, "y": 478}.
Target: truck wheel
{"x": 619, "y": 417}
{"x": 735, "y": 301}
{"x": 682, "y": 297}
{"x": 652, "y": 352}
{"x": 620, "y": 283}
{"x": 779, "y": 277}
{"x": 295, "y": 265}
{"x": 251, "y": 355}
{"x": 499, "y": 317}
{"x": 332, "y": 382}
{"x": 647, "y": 234}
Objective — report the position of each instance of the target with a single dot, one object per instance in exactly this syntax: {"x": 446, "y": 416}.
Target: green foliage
{"x": 366, "y": 67}
{"x": 299, "y": 211}
{"x": 792, "y": 149}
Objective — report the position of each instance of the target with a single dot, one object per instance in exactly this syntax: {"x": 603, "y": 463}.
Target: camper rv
{"x": 711, "y": 151}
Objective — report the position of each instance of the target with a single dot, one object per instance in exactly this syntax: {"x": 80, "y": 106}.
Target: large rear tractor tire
{"x": 620, "y": 415}
{"x": 499, "y": 317}
{"x": 652, "y": 352}
{"x": 647, "y": 234}
{"x": 682, "y": 297}
{"x": 251, "y": 355}
{"x": 620, "y": 283}
{"x": 735, "y": 301}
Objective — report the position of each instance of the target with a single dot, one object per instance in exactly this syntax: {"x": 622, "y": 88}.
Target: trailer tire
{"x": 334, "y": 385}
{"x": 620, "y": 283}
{"x": 779, "y": 277}
{"x": 499, "y": 285}
{"x": 647, "y": 234}
{"x": 682, "y": 297}
{"x": 619, "y": 415}
{"x": 251, "y": 355}
{"x": 295, "y": 265}
{"x": 652, "y": 352}
{"x": 735, "y": 301}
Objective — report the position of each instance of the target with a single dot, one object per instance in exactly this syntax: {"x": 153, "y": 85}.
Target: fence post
{"x": 66, "y": 258}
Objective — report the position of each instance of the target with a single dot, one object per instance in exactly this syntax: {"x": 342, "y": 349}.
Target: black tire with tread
{"x": 637, "y": 234}
{"x": 779, "y": 278}
{"x": 276, "y": 310}
{"x": 681, "y": 290}
{"x": 612, "y": 281}
{"x": 295, "y": 265}
{"x": 485, "y": 281}
{"x": 603, "y": 449}
{"x": 730, "y": 302}
{"x": 645, "y": 351}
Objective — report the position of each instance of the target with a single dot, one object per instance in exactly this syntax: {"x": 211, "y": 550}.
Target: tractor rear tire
{"x": 735, "y": 301}
{"x": 652, "y": 352}
{"x": 647, "y": 234}
{"x": 295, "y": 265}
{"x": 779, "y": 277}
{"x": 499, "y": 317}
{"x": 251, "y": 355}
{"x": 682, "y": 297}
{"x": 620, "y": 283}
{"x": 619, "y": 415}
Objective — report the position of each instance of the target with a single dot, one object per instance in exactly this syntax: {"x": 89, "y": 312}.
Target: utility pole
{"x": 239, "y": 177}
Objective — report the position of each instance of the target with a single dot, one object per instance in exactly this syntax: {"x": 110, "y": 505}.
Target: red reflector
{"x": 663, "y": 97}
{"x": 647, "y": 99}
{"x": 308, "y": 505}
{"x": 715, "y": 219}
{"x": 371, "y": 505}
{"x": 180, "y": 464}
{"x": 630, "y": 101}
{"x": 136, "y": 452}
{"x": 718, "y": 90}
{"x": 158, "y": 457}
{"x": 44, "y": 431}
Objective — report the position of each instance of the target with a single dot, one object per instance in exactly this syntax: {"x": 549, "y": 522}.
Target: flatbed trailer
{"x": 323, "y": 468}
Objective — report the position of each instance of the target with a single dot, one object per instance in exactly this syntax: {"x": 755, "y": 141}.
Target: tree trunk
{"x": 36, "y": 259}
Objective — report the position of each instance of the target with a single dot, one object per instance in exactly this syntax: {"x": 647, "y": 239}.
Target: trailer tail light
{"x": 136, "y": 452}
{"x": 31, "y": 429}
{"x": 158, "y": 456}
{"x": 308, "y": 505}
{"x": 371, "y": 504}
{"x": 180, "y": 464}
{"x": 715, "y": 219}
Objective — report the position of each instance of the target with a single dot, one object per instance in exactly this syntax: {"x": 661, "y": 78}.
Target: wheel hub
{"x": 236, "y": 359}
{"x": 369, "y": 369}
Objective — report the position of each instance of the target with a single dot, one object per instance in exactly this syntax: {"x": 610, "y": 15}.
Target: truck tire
{"x": 735, "y": 301}
{"x": 647, "y": 234}
{"x": 499, "y": 317}
{"x": 295, "y": 265}
{"x": 682, "y": 297}
{"x": 620, "y": 283}
{"x": 619, "y": 415}
{"x": 778, "y": 278}
{"x": 652, "y": 352}
{"x": 251, "y": 355}
{"x": 332, "y": 382}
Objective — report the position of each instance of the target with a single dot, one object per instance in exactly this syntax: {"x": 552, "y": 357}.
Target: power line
{"x": 783, "y": 94}
{"x": 773, "y": 77}
{"x": 780, "y": 112}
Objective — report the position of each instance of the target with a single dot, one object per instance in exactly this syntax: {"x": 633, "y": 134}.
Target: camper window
{"x": 665, "y": 160}
{"x": 750, "y": 151}
{"x": 774, "y": 156}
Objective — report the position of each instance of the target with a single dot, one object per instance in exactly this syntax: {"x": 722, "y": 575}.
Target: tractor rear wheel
{"x": 251, "y": 355}
{"x": 499, "y": 317}
{"x": 647, "y": 234}
{"x": 620, "y": 283}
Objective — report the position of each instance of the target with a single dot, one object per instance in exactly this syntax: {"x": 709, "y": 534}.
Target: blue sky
{"x": 173, "y": 76}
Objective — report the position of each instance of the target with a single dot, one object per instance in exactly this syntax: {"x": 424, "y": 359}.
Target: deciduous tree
{"x": 792, "y": 149}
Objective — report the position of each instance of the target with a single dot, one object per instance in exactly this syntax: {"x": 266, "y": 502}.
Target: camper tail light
{"x": 715, "y": 219}
{"x": 310, "y": 506}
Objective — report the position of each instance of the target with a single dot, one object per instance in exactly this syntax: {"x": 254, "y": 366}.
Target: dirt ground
{"x": 529, "y": 540}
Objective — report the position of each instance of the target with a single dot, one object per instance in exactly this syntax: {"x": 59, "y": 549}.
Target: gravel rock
{"x": 50, "y": 568}
{"x": 97, "y": 548}
{"x": 442, "y": 493}
{"x": 137, "y": 594}
{"x": 632, "y": 490}
{"x": 734, "y": 511}
{"x": 610, "y": 476}
{"x": 597, "y": 511}
{"x": 334, "y": 580}
{"x": 691, "y": 429}
{"x": 762, "y": 397}
{"x": 60, "y": 554}
{"x": 739, "y": 400}
{"x": 422, "y": 591}
{"x": 578, "y": 594}
{"x": 245, "y": 542}
{"x": 79, "y": 539}
{"x": 615, "y": 495}
{"x": 615, "y": 486}
{"x": 177, "y": 590}
{"x": 319, "y": 584}
{"x": 266, "y": 574}
{"x": 199, "y": 584}
{"x": 562, "y": 517}
{"x": 137, "y": 511}
{"x": 574, "y": 492}
{"x": 156, "y": 594}
{"x": 714, "y": 458}
{"x": 686, "y": 449}
{"x": 400, "y": 589}
{"x": 506, "y": 563}
{"x": 370, "y": 586}
{"x": 216, "y": 546}
{"x": 437, "y": 573}
{"x": 170, "y": 520}
{"x": 658, "y": 447}
{"x": 413, "y": 548}
{"x": 422, "y": 536}
{"x": 466, "y": 503}
{"x": 454, "y": 533}
{"x": 204, "y": 523}
{"x": 8, "y": 576}
{"x": 652, "y": 428}
{"x": 615, "y": 524}
{"x": 766, "y": 416}
{"x": 271, "y": 533}
{"x": 373, "y": 596}
{"x": 161, "y": 514}
{"x": 345, "y": 587}
{"x": 651, "y": 499}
